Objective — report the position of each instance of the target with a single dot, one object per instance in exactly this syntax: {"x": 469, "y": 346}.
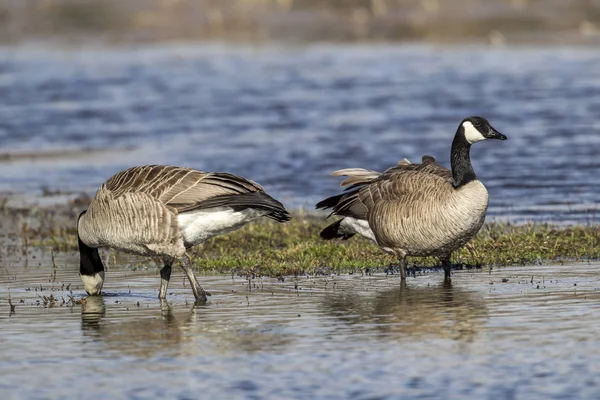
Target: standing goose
{"x": 158, "y": 210}
{"x": 416, "y": 209}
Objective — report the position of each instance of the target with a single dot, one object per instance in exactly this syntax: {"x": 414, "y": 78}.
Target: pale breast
{"x": 433, "y": 225}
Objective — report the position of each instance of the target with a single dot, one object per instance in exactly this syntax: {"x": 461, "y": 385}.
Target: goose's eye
{"x": 477, "y": 123}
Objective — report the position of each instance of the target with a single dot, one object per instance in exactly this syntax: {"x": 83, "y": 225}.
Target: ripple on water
{"x": 307, "y": 111}
{"x": 513, "y": 333}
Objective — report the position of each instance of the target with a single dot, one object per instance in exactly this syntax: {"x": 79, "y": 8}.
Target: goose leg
{"x": 447, "y": 267}
{"x": 186, "y": 266}
{"x": 403, "y": 285}
{"x": 401, "y": 254}
{"x": 165, "y": 277}
{"x": 403, "y": 265}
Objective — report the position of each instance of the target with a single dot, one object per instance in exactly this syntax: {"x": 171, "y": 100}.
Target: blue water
{"x": 514, "y": 333}
{"x": 287, "y": 116}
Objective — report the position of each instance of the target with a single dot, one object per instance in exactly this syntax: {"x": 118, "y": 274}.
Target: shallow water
{"x": 286, "y": 117}
{"x": 532, "y": 336}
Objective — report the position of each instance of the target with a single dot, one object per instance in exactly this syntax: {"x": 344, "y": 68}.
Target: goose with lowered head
{"x": 159, "y": 210}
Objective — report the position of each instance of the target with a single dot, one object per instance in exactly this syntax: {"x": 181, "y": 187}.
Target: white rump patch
{"x": 360, "y": 226}
{"x": 93, "y": 283}
{"x": 471, "y": 133}
{"x": 199, "y": 226}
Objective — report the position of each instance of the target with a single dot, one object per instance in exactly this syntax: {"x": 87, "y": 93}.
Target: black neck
{"x": 462, "y": 170}
{"x": 90, "y": 261}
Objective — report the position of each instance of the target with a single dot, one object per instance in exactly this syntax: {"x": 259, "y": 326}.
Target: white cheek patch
{"x": 93, "y": 283}
{"x": 471, "y": 133}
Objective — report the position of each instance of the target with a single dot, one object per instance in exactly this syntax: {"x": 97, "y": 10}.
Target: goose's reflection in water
{"x": 177, "y": 331}
{"x": 277, "y": 321}
{"x": 413, "y": 312}
{"x": 147, "y": 331}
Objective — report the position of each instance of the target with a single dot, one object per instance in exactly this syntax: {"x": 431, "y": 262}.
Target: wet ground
{"x": 287, "y": 116}
{"x": 512, "y": 333}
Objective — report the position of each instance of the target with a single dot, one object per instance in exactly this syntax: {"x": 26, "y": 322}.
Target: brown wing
{"x": 404, "y": 184}
{"x": 181, "y": 188}
{"x": 428, "y": 165}
{"x": 361, "y": 176}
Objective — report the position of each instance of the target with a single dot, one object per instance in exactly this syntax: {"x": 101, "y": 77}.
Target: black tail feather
{"x": 254, "y": 200}
{"x": 329, "y": 202}
{"x": 333, "y": 231}
{"x": 279, "y": 216}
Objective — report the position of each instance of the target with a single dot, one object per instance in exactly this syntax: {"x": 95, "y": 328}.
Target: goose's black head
{"x": 476, "y": 129}
{"x": 91, "y": 269}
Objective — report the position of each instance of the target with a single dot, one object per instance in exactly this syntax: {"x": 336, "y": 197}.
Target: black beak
{"x": 494, "y": 134}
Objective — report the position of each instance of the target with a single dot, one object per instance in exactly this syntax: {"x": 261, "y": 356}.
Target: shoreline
{"x": 110, "y": 22}
{"x": 539, "y": 40}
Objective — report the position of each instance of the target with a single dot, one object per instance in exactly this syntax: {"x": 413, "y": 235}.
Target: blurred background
{"x": 285, "y": 91}
{"x": 116, "y": 21}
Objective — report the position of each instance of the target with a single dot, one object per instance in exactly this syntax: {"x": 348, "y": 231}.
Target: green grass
{"x": 293, "y": 248}
{"x": 269, "y": 248}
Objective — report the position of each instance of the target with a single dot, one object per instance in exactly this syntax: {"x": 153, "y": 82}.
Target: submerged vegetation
{"x": 268, "y": 248}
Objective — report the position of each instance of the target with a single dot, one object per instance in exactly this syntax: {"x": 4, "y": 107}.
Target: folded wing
{"x": 401, "y": 184}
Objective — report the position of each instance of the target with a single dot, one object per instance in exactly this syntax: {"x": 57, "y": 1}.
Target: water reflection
{"x": 443, "y": 311}
{"x": 144, "y": 335}
{"x": 365, "y": 338}
{"x": 92, "y": 311}
{"x": 150, "y": 331}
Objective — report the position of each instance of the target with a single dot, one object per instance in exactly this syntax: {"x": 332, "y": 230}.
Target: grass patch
{"x": 295, "y": 248}
{"x": 269, "y": 248}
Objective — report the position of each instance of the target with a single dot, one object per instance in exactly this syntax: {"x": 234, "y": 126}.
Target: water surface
{"x": 287, "y": 117}
{"x": 513, "y": 333}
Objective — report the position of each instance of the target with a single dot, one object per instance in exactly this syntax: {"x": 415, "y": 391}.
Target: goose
{"x": 416, "y": 209}
{"x": 160, "y": 210}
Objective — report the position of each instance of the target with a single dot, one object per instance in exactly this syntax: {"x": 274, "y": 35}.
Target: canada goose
{"x": 416, "y": 209}
{"x": 158, "y": 210}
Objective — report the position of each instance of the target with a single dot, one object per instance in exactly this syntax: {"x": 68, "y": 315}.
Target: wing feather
{"x": 404, "y": 185}
{"x": 178, "y": 187}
